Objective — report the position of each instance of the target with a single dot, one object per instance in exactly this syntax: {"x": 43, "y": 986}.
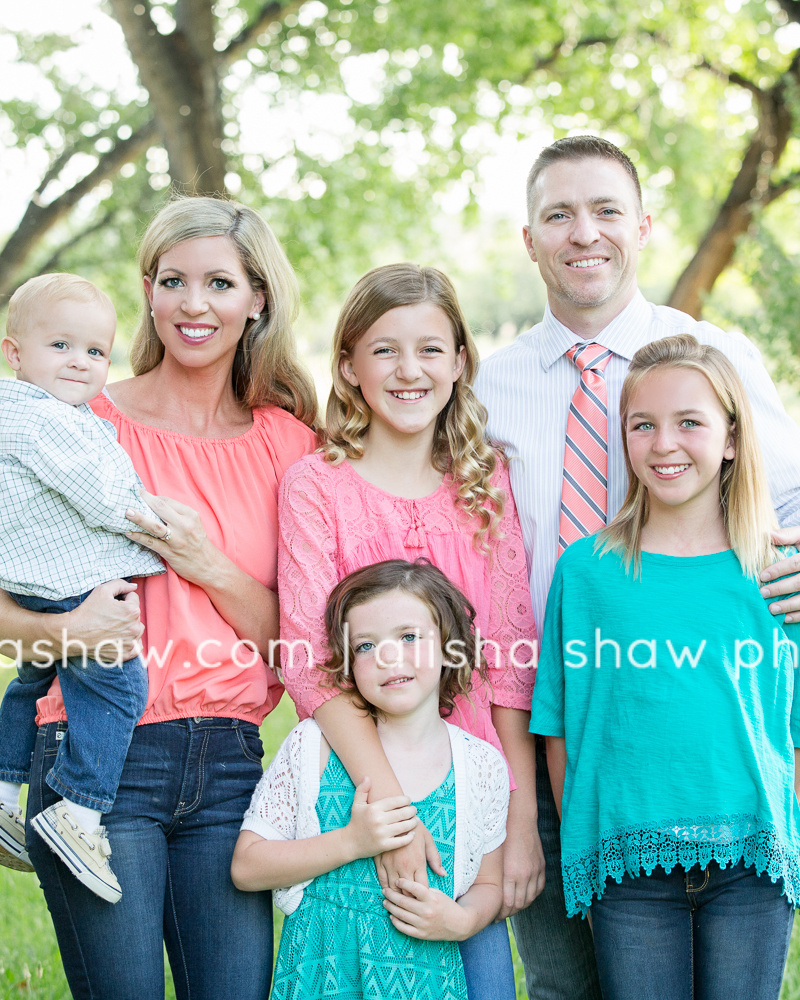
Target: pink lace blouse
{"x": 332, "y": 522}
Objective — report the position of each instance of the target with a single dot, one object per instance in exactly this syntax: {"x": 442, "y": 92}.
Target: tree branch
{"x": 39, "y": 219}
{"x": 270, "y": 12}
{"x": 564, "y": 47}
{"x": 53, "y": 262}
{"x": 775, "y": 191}
{"x": 732, "y": 77}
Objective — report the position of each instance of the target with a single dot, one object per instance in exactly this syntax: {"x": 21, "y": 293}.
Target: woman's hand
{"x": 107, "y": 623}
{"x": 179, "y": 537}
{"x": 410, "y": 862}
{"x": 380, "y": 826}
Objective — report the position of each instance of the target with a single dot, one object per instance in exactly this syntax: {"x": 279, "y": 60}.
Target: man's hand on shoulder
{"x": 783, "y": 577}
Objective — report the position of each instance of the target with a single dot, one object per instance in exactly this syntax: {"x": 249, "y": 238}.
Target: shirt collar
{"x": 18, "y": 389}
{"x": 624, "y": 335}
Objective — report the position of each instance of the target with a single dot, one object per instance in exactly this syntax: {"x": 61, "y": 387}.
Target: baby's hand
{"x": 423, "y": 912}
{"x": 380, "y": 826}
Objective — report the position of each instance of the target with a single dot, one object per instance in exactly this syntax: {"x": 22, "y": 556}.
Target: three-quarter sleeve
{"x": 511, "y": 649}
{"x": 307, "y": 573}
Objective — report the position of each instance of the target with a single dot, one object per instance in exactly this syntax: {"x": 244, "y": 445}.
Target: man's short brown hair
{"x": 579, "y": 147}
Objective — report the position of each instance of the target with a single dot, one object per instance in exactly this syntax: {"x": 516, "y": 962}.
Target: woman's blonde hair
{"x": 265, "y": 369}
{"x": 746, "y": 505}
{"x": 459, "y": 444}
{"x": 450, "y": 610}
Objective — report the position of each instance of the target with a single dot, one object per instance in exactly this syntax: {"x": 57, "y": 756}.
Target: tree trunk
{"x": 180, "y": 73}
{"x": 750, "y": 190}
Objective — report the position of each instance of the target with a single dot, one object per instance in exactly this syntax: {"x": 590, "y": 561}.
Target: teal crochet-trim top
{"x": 675, "y": 695}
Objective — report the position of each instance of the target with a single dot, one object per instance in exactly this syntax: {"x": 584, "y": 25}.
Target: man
{"x": 585, "y": 229}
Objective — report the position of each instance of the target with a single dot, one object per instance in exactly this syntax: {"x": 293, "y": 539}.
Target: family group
{"x": 518, "y": 606}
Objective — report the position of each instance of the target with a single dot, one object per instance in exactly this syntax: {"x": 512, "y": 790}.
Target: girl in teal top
{"x": 666, "y": 692}
{"x": 399, "y": 636}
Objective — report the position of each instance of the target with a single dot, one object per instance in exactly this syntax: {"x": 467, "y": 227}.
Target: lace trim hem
{"x": 726, "y": 839}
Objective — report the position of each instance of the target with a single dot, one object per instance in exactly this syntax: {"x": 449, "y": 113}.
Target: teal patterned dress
{"x": 340, "y": 942}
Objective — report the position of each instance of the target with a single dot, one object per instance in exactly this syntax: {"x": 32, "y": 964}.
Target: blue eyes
{"x": 645, "y": 425}
{"x": 367, "y": 646}
{"x": 383, "y": 351}
{"x": 62, "y": 345}
{"x": 217, "y": 284}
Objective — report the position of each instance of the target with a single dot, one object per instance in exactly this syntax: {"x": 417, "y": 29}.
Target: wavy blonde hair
{"x": 459, "y": 443}
{"x": 747, "y": 509}
{"x": 266, "y": 369}
{"x": 450, "y": 610}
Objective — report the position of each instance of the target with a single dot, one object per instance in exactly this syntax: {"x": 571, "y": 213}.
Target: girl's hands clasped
{"x": 380, "y": 826}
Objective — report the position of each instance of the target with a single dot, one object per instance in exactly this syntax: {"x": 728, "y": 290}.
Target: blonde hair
{"x": 746, "y": 505}
{"x": 266, "y": 369}
{"x": 459, "y": 444}
{"x": 38, "y": 294}
{"x": 450, "y": 610}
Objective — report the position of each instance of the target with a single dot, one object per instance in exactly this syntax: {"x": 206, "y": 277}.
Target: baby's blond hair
{"x": 44, "y": 291}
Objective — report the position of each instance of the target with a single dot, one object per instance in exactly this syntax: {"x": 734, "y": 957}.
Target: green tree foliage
{"x": 345, "y": 120}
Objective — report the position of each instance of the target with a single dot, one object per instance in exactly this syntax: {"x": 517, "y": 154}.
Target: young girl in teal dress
{"x": 666, "y": 693}
{"x": 402, "y": 640}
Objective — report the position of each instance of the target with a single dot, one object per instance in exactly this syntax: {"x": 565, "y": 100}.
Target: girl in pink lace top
{"x": 405, "y": 472}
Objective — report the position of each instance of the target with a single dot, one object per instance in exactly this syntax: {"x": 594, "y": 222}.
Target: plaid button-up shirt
{"x": 65, "y": 484}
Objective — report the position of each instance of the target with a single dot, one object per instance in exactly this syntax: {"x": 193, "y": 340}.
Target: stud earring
{"x": 256, "y": 316}
{"x": 152, "y": 313}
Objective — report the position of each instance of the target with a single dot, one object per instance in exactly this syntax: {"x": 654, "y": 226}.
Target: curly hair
{"x": 450, "y": 610}
{"x": 459, "y": 444}
{"x": 266, "y": 369}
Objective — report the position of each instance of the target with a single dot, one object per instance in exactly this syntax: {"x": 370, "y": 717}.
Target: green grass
{"x": 30, "y": 964}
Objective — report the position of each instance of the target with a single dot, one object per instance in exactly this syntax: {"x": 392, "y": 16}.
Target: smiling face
{"x": 405, "y": 366}
{"x": 397, "y": 654}
{"x": 201, "y": 300}
{"x": 677, "y": 437}
{"x": 65, "y": 349}
{"x": 585, "y": 233}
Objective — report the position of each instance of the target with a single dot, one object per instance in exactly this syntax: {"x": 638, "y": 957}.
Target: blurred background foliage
{"x": 363, "y": 128}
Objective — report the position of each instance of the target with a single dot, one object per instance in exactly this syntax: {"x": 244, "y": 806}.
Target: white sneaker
{"x": 12, "y": 840}
{"x": 85, "y": 854}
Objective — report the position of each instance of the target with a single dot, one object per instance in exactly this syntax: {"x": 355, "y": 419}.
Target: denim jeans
{"x": 103, "y": 705}
{"x": 706, "y": 934}
{"x": 556, "y": 951}
{"x": 182, "y": 794}
{"x": 488, "y": 967}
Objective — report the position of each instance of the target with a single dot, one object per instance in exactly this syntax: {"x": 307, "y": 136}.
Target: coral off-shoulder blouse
{"x": 197, "y": 666}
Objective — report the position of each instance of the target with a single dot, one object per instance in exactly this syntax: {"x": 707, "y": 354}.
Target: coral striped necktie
{"x": 585, "y": 487}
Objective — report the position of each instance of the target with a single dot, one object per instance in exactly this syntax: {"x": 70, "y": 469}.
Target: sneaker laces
{"x": 12, "y": 813}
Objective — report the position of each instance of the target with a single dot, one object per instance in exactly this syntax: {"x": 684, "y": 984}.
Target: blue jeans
{"x": 488, "y": 968}
{"x": 103, "y": 705}
{"x": 706, "y": 934}
{"x": 556, "y": 950}
{"x": 182, "y": 794}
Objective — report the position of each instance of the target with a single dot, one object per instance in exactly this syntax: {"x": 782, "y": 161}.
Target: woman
{"x": 216, "y": 412}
